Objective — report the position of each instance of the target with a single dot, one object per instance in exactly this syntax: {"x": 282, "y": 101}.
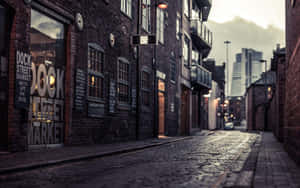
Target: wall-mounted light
{"x": 162, "y": 4}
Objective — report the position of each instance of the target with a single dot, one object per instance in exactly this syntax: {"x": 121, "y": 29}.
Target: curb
{"x": 77, "y": 158}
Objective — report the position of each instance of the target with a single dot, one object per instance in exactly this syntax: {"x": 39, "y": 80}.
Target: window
{"x": 123, "y": 80}
{"x": 145, "y": 88}
{"x": 126, "y": 7}
{"x": 178, "y": 26}
{"x": 195, "y": 57}
{"x": 95, "y": 70}
{"x": 146, "y": 17}
{"x": 186, "y": 8}
{"x": 186, "y": 51}
{"x": 173, "y": 71}
{"x": 48, "y": 57}
{"x": 160, "y": 25}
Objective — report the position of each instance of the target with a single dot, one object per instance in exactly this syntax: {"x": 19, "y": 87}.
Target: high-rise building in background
{"x": 246, "y": 70}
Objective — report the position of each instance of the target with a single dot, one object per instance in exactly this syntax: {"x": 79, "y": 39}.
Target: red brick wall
{"x": 259, "y": 118}
{"x": 255, "y": 114}
{"x": 276, "y": 111}
{"x": 292, "y": 101}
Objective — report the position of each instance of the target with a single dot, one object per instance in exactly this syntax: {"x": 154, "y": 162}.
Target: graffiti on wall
{"x": 46, "y": 114}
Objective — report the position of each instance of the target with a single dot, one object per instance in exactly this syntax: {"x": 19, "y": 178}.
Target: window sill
{"x": 95, "y": 99}
{"x": 126, "y": 15}
{"x": 172, "y": 82}
{"x": 187, "y": 66}
{"x": 123, "y": 106}
{"x": 145, "y": 31}
{"x": 160, "y": 43}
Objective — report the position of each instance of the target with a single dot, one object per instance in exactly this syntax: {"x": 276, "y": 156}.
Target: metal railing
{"x": 202, "y": 31}
{"x": 201, "y": 76}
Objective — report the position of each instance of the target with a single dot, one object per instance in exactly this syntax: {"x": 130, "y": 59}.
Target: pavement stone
{"x": 221, "y": 159}
{"x": 21, "y": 161}
{"x": 274, "y": 167}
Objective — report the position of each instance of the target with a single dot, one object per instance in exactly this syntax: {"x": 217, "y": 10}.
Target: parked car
{"x": 229, "y": 126}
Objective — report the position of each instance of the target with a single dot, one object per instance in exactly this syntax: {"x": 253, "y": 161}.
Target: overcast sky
{"x": 257, "y": 24}
{"x": 262, "y": 12}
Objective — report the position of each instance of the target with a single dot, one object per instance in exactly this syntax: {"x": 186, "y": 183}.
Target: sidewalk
{"x": 14, "y": 162}
{"x": 274, "y": 167}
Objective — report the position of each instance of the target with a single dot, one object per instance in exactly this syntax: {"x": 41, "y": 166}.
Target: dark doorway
{"x": 4, "y": 52}
{"x": 184, "y": 129}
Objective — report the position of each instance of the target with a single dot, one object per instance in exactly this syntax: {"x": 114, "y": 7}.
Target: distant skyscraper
{"x": 246, "y": 70}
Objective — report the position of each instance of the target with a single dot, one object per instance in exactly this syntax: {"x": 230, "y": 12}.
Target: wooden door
{"x": 161, "y": 113}
{"x": 184, "y": 113}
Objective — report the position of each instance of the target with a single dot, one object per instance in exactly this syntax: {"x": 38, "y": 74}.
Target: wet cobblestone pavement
{"x": 222, "y": 159}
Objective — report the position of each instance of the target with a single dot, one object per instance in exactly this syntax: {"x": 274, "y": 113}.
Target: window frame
{"x": 160, "y": 25}
{"x": 186, "y": 8}
{"x": 95, "y": 73}
{"x": 187, "y": 41}
{"x": 146, "y": 89}
{"x": 178, "y": 24}
{"x": 126, "y": 7}
{"x": 146, "y": 15}
{"x": 124, "y": 82}
{"x": 173, "y": 71}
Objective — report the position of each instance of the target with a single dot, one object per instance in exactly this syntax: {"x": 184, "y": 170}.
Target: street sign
{"x": 143, "y": 39}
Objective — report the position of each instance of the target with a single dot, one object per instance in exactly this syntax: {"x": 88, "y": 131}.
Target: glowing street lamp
{"x": 162, "y": 4}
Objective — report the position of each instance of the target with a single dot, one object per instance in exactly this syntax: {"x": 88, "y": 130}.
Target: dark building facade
{"x": 71, "y": 73}
{"x": 200, "y": 77}
{"x": 276, "y": 110}
{"x": 258, "y": 102}
{"x": 218, "y": 98}
{"x": 292, "y": 94}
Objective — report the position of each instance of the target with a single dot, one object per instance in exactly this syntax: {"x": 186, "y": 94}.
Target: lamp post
{"x": 265, "y": 91}
{"x": 162, "y": 5}
{"x": 227, "y": 42}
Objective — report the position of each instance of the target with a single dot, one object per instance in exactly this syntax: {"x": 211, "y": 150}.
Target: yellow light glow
{"x": 93, "y": 80}
{"x": 269, "y": 89}
{"x": 163, "y": 6}
{"x": 52, "y": 81}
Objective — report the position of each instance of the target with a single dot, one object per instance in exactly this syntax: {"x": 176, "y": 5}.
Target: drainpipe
{"x": 138, "y": 73}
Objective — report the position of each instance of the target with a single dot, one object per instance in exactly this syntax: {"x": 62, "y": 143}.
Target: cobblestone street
{"x": 219, "y": 159}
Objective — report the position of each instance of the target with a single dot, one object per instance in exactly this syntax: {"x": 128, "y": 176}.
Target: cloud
{"x": 243, "y": 34}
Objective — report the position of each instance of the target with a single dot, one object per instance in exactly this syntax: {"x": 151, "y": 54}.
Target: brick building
{"x": 257, "y": 102}
{"x": 276, "y": 110}
{"x": 216, "y": 97}
{"x": 69, "y": 71}
{"x": 292, "y": 94}
{"x": 199, "y": 38}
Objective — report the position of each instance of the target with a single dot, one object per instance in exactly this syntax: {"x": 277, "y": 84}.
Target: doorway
{"x": 4, "y": 54}
{"x": 161, "y": 108}
{"x": 161, "y": 113}
{"x": 184, "y": 129}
